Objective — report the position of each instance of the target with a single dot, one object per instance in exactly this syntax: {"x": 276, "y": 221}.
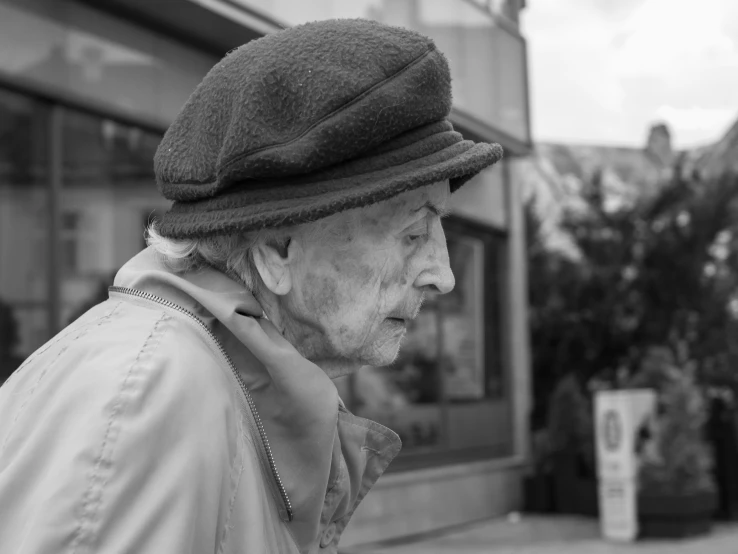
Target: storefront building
{"x": 86, "y": 91}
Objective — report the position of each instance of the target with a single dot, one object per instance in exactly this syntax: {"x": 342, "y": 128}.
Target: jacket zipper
{"x": 236, "y": 374}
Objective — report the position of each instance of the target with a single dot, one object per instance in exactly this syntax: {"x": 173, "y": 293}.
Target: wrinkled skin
{"x": 342, "y": 295}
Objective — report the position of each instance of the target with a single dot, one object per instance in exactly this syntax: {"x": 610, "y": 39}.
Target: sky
{"x": 603, "y": 71}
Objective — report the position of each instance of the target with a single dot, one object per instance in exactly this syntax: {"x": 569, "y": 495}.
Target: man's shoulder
{"x": 123, "y": 348}
{"x": 173, "y": 352}
{"x": 158, "y": 337}
{"x": 129, "y": 407}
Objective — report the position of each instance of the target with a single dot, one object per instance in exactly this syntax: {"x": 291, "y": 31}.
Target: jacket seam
{"x": 333, "y": 491}
{"x": 21, "y": 410}
{"x": 91, "y": 499}
{"x": 60, "y": 337}
{"x": 338, "y": 477}
{"x": 241, "y": 406}
{"x": 238, "y": 467}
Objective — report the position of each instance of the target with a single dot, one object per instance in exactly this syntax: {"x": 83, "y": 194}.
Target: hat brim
{"x": 303, "y": 202}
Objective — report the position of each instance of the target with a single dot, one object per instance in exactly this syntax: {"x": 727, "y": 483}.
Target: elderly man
{"x": 193, "y": 411}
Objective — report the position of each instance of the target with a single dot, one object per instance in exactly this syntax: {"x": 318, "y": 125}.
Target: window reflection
{"x": 463, "y": 321}
{"x": 24, "y": 231}
{"x": 108, "y": 192}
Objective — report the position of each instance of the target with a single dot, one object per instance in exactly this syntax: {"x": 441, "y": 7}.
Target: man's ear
{"x": 274, "y": 263}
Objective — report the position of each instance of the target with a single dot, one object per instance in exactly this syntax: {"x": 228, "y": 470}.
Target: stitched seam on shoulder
{"x": 61, "y": 336}
{"x": 45, "y": 370}
{"x": 237, "y": 465}
{"x": 92, "y": 498}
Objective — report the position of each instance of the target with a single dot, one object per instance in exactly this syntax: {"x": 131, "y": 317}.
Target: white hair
{"x": 233, "y": 254}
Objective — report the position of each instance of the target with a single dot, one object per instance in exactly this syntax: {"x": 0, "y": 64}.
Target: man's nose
{"x": 436, "y": 275}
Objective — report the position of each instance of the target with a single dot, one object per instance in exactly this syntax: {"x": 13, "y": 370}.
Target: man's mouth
{"x": 408, "y": 313}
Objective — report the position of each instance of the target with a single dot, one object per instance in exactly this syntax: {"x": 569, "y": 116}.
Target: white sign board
{"x": 620, "y": 418}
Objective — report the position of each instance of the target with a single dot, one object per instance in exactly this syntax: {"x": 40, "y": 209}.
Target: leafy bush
{"x": 683, "y": 460}
{"x": 656, "y": 270}
{"x": 570, "y": 422}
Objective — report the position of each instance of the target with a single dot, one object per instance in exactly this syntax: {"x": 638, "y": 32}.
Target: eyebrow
{"x": 440, "y": 211}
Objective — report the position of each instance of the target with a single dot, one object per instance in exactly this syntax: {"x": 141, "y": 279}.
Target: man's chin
{"x": 384, "y": 356}
{"x": 380, "y": 355}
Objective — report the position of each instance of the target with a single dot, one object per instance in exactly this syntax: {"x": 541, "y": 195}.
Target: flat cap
{"x": 310, "y": 121}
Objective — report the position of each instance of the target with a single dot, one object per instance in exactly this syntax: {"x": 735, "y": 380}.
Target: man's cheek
{"x": 321, "y": 293}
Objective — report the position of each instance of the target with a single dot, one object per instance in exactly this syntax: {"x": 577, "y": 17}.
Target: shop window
{"x": 445, "y": 395}
{"x": 24, "y": 229}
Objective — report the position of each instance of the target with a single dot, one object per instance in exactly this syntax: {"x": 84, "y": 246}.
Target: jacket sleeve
{"x": 121, "y": 446}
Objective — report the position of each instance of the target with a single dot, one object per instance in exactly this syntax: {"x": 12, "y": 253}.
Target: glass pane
{"x": 108, "y": 195}
{"x": 495, "y": 335}
{"x": 24, "y": 229}
{"x": 481, "y": 424}
{"x": 478, "y": 413}
{"x": 463, "y": 321}
{"x": 406, "y": 397}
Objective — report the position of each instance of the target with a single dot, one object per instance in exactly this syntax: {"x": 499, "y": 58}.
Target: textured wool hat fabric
{"x": 308, "y": 122}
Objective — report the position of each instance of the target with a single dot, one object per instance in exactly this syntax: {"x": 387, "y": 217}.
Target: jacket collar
{"x": 327, "y": 458}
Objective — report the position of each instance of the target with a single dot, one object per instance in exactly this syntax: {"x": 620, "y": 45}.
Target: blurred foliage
{"x": 658, "y": 271}
{"x": 570, "y": 425}
{"x": 683, "y": 460}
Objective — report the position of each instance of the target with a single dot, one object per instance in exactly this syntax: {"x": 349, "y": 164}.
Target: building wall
{"x": 484, "y": 199}
{"x": 413, "y": 503}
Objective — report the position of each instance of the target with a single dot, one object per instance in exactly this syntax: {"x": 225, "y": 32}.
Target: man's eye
{"x": 418, "y": 232}
{"x": 416, "y": 237}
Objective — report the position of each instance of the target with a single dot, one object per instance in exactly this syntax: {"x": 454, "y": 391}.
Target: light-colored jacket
{"x": 173, "y": 419}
